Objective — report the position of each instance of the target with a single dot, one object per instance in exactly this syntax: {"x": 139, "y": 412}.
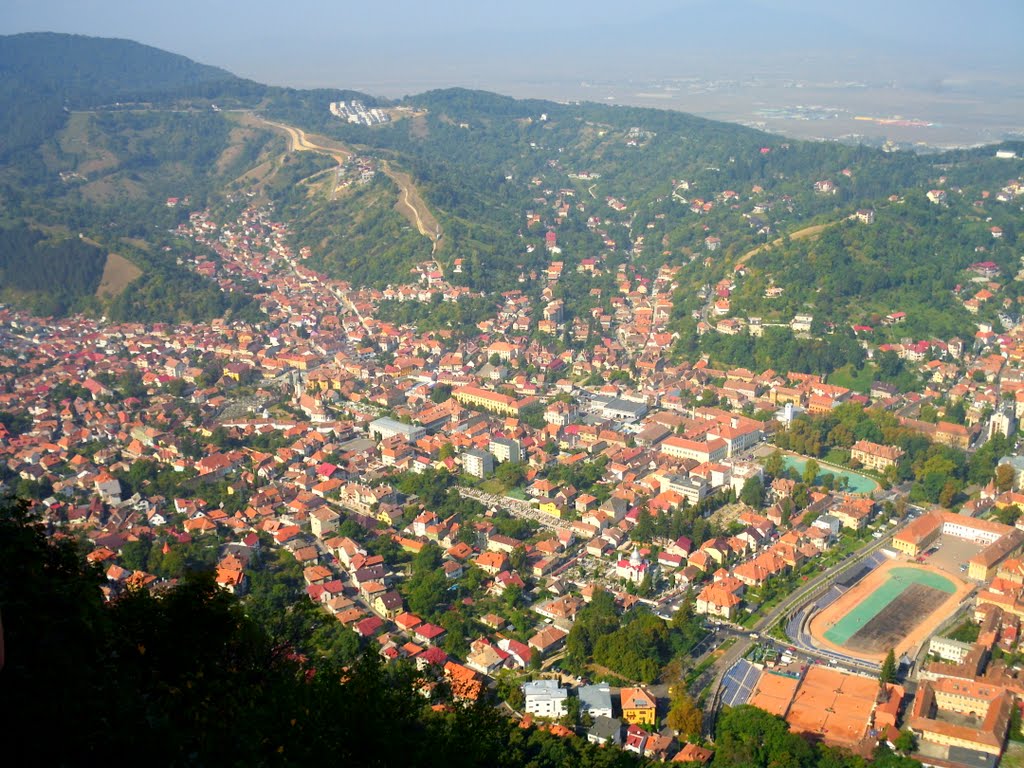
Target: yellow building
{"x": 937, "y": 714}
{"x": 875, "y": 456}
{"x": 918, "y": 535}
{"x": 1001, "y": 541}
{"x": 983, "y": 566}
{"x": 550, "y": 507}
{"x": 484, "y": 398}
{"x": 638, "y": 706}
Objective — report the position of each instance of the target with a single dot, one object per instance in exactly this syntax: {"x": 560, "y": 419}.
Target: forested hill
{"x": 46, "y": 75}
{"x": 42, "y": 74}
{"x": 622, "y": 184}
{"x": 95, "y": 136}
{"x": 86, "y": 70}
{"x": 107, "y": 130}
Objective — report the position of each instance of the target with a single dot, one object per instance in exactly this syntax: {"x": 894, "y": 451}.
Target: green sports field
{"x": 898, "y": 581}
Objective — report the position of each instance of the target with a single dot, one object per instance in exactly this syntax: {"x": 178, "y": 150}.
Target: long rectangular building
{"x": 1001, "y": 541}
{"x": 938, "y": 711}
{"x": 384, "y": 428}
{"x": 485, "y": 398}
{"x": 702, "y": 451}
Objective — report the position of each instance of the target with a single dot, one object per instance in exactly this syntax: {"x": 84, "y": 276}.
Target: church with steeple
{"x": 634, "y": 569}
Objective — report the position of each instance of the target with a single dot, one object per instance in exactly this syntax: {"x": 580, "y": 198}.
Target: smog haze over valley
{"x": 940, "y": 73}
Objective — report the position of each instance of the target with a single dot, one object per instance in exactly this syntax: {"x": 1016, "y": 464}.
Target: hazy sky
{"x": 403, "y": 46}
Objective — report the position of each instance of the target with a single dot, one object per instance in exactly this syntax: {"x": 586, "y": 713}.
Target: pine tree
{"x": 888, "y": 672}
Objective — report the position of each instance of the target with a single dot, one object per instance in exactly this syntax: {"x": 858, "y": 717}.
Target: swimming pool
{"x": 856, "y": 483}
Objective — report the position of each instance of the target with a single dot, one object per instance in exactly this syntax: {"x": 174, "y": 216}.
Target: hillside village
{"x": 462, "y": 500}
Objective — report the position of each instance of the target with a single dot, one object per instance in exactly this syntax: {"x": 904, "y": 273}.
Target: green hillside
{"x": 42, "y": 75}
{"x": 29, "y": 260}
{"x": 95, "y": 136}
{"x": 620, "y": 187}
{"x": 106, "y": 176}
{"x": 363, "y": 237}
{"x": 909, "y": 260}
{"x": 483, "y": 160}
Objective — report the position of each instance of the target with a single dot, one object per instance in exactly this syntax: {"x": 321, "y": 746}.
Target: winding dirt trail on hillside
{"x": 410, "y": 204}
{"x": 800, "y": 234}
{"x": 418, "y": 213}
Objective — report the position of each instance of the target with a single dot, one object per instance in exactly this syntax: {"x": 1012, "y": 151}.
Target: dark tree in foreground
{"x": 187, "y": 678}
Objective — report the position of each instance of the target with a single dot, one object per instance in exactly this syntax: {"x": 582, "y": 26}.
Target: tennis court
{"x": 834, "y": 705}
{"x": 893, "y": 604}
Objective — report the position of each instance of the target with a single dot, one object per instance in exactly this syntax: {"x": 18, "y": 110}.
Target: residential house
{"x": 548, "y": 639}
{"x": 596, "y": 700}
{"x": 545, "y": 698}
{"x": 636, "y": 739}
{"x": 464, "y": 683}
{"x": 638, "y": 706}
{"x": 323, "y": 522}
{"x": 605, "y": 730}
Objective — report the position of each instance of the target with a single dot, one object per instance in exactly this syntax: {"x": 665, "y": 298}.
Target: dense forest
{"x": 29, "y": 261}
{"x": 778, "y": 348}
{"x": 44, "y": 74}
{"x": 167, "y": 292}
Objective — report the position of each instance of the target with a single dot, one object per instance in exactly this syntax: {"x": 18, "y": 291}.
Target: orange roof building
{"x": 464, "y": 682}
{"x": 938, "y": 709}
{"x": 836, "y": 706}
{"x": 638, "y": 706}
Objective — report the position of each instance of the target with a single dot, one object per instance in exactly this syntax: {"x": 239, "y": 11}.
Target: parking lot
{"x": 951, "y": 553}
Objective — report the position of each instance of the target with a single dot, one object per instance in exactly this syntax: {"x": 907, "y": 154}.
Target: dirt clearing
{"x": 117, "y": 274}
